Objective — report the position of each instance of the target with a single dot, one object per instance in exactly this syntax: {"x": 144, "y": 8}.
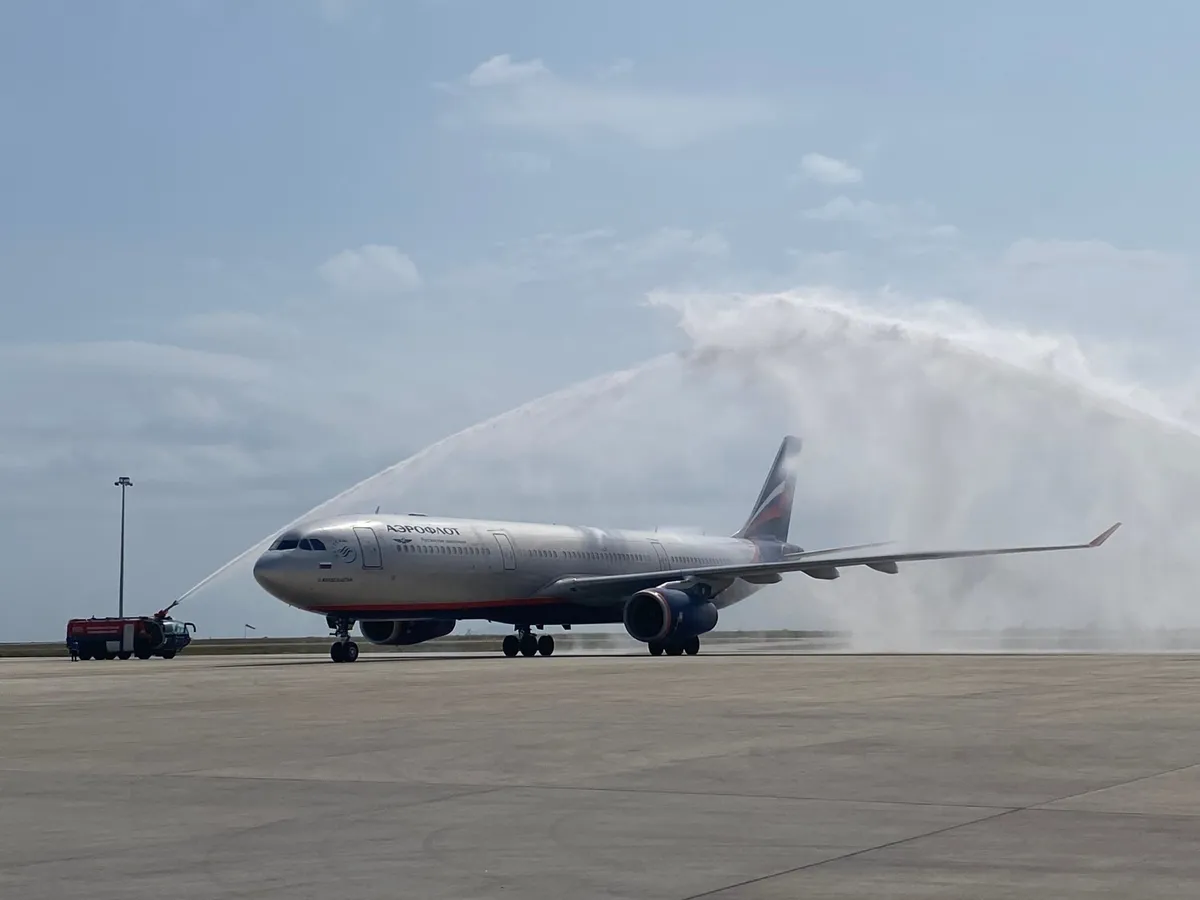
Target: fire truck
{"x": 121, "y": 638}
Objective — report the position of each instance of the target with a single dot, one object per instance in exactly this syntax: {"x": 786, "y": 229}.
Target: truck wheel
{"x": 168, "y": 654}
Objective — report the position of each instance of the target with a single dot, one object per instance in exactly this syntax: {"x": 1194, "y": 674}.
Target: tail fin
{"x": 772, "y": 513}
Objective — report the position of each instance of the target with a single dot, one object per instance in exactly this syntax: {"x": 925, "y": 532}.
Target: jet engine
{"x": 395, "y": 634}
{"x": 660, "y": 614}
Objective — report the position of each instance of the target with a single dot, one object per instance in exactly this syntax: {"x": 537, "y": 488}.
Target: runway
{"x": 731, "y": 775}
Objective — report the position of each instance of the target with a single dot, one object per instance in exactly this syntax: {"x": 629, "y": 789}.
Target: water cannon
{"x": 162, "y": 616}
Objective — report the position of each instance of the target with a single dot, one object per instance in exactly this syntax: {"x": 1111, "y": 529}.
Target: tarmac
{"x": 730, "y": 775}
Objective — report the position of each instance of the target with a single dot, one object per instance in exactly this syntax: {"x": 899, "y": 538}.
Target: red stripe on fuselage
{"x": 437, "y": 607}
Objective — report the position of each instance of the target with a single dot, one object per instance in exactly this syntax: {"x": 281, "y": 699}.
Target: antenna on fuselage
{"x": 377, "y": 510}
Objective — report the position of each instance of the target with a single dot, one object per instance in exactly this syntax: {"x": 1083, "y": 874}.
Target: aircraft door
{"x": 664, "y": 561}
{"x": 368, "y": 543}
{"x": 506, "y": 550}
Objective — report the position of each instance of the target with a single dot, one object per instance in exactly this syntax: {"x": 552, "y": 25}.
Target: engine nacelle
{"x": 395, "y": 634}
{"x": 824, "y": 573}
{"x": 660, "y": 614}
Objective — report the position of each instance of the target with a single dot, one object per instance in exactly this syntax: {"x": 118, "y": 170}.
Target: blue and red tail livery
{"x": 772, "y": 513}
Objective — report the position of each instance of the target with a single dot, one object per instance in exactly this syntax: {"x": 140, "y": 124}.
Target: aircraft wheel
{"x": 656, "y": 648}
{"x": 691, "y": 646}
{"x": 337, "y": 652}
{"x": 124, "y": 654}
{"x": 351, "y": 651}
{"x": 511, "y": 646}
{"x": 85, "y": 654}
{"x": 674, "y": 649}
{"x": 529, "y": 645}
{"x": 545, "y": 645}
{"x": 168, "y": 654}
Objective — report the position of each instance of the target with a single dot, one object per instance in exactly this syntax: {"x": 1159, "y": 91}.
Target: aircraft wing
{"x": 580, "y": 587}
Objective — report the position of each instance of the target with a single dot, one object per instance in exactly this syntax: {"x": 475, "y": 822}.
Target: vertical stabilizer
{"x": 772, "y": 513}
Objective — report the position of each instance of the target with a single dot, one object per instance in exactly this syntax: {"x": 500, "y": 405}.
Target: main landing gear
{"x": 527, "y": 643}
{"x": 690, "y": 646}
{"x": 344, "y": 650}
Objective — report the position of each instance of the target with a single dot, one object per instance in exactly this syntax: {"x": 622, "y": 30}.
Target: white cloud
{"x": 529, "y": 97}
{"x": 668, "y": 242}
{"x": 502, "y": 70}
{"x": 882, "y": 221}
{"x": 659, "y": 254}
{"x": 617, "y": 69}
{"x": 1145, "y": 297}
{"x": 228, "y": 325}
{"x": 134, "y": 358}
{"x": 1029, "y": 253}
{"x": 371, "y": 269}
{"x": 827, "y": 170}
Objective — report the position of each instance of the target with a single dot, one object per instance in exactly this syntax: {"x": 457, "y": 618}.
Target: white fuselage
{"x": 416, "y": 567}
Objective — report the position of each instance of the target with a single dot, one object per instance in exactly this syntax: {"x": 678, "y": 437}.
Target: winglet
{"x": 1104, "y": 536}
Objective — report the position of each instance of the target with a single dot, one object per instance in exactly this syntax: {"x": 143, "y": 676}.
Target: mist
{"x": 922, "y": 424}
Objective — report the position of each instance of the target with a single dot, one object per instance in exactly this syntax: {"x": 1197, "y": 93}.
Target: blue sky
{"x": 252, "y": 252}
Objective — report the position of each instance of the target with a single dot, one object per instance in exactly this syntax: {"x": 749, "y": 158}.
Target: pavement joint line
{"x": 1033, "y": 807}
{"x": 382, "y": 805}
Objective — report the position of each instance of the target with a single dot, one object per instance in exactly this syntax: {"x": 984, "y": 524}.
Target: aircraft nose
{"x": 269, "y": 574}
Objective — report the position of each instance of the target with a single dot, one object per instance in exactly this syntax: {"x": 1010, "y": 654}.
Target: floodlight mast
{"x": 123, "y": 482}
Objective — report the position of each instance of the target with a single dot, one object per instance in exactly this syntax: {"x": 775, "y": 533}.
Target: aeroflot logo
{"x": 423, "y": 529}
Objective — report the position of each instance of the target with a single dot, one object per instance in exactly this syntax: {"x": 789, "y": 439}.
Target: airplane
{"x": 406, "y": 579}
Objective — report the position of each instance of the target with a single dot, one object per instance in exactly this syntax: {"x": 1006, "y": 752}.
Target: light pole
{"x": 122, "y": 482}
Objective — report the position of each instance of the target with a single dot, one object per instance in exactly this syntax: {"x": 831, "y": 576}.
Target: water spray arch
{"x": 929, "y": 428}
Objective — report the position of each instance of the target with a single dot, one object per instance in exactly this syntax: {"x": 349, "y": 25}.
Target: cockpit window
{"x": 293, "y": 541}
{"x": 286, "y": 542}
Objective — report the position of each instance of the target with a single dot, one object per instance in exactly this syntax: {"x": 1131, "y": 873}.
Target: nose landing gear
{"x": 527, "y": 643}
{"x": 344, "y": 650}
